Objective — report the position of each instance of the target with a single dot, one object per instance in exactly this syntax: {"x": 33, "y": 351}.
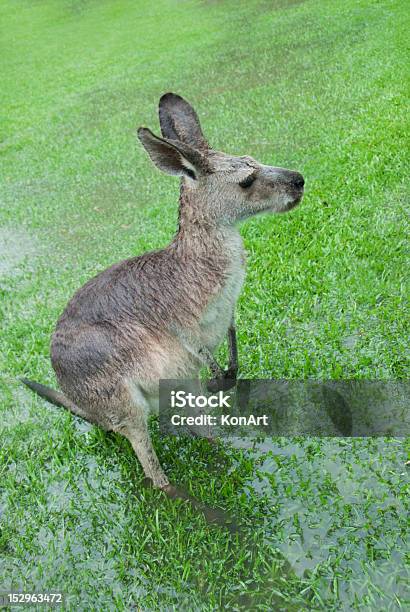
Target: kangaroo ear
{"x": 179, "y": 121}
{"x": 172, "y": 157}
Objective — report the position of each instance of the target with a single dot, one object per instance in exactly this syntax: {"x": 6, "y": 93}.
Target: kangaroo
{"x": 162, "y": 315}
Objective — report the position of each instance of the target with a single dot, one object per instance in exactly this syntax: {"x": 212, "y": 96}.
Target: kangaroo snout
{"x": 290, "y": 178}
{"x": 297, "y": 180}
{"x": 280, "y": 190}
{"x": 294, "y": 184}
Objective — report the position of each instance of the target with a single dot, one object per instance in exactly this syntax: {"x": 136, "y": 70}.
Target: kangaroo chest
{"x": 219, "y": 312}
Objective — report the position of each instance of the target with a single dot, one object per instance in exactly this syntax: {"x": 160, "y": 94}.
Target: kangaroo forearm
{"x": 201, "y": 353}
{"x": 233, "y": 349}
{"x": 210, "y": 361}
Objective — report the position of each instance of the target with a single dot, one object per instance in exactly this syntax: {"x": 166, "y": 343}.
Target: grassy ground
{"x": 318, "y": 86}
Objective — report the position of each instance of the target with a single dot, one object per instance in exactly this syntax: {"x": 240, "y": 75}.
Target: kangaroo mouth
{"x": 296, "y": 201}
{"x": 289, "y": 204}
{"x": 293, "y": 203}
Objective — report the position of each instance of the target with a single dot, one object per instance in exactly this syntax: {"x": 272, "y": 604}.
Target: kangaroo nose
{"x": 298, "y": 181}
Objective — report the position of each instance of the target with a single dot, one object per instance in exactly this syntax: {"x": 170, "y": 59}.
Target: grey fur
{"x": 179, "y": 121}
{"x": 163, "y": 314}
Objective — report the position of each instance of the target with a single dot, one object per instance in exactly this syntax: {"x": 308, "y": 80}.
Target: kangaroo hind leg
{"x": 134, "y": 426}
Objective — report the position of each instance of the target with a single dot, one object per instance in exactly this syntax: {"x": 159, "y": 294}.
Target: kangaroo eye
{"x": 248, "y": 181}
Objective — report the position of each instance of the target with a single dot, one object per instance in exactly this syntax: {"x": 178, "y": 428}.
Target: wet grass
{"x": 311, "y": 85}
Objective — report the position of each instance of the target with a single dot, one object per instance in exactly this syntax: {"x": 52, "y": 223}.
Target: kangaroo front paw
{"x": 222, "y": 383}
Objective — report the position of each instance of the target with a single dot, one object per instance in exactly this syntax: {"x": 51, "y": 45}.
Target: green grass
{"x": 316, "y": 86}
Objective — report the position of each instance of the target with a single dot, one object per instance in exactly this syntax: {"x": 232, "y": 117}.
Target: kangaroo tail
{"x": 51, "y": 395}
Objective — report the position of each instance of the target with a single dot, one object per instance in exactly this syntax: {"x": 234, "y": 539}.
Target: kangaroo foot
{"x": 212, "y": 515}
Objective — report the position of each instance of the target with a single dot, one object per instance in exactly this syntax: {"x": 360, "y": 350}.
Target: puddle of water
{"x": 361, "y": 477}
{"x": 18, "y": 407}
{"x": 15, "y": 246}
